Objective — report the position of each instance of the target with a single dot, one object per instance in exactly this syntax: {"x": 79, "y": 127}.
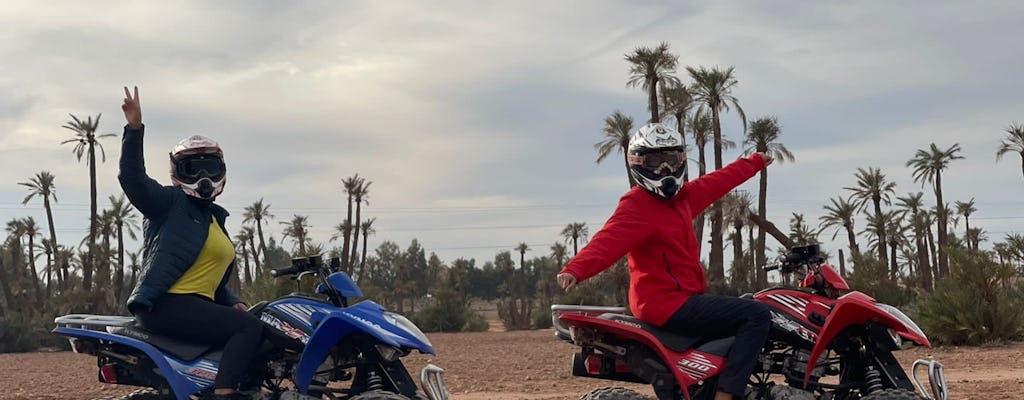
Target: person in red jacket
{"x": 653, "y": 225}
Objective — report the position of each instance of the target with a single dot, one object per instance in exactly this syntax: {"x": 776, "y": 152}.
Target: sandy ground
{"x": 506, "y": 366}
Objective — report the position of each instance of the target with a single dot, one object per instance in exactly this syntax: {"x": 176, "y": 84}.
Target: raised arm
{"x": 703, "y": 191}
{"x": 626, "y": 228}
{"x": 146, "y": 194}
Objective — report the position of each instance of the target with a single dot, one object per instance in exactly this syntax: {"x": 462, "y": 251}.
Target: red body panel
{"x": 830, "y": 276}
{"x": 688, "y": 367}
{"x": 797, "y": 303}
{"x": 857, "y": 308}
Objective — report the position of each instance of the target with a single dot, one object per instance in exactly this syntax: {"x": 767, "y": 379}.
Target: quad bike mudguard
{"x": 331, "y": 327}
{"x": 857, "y": 308}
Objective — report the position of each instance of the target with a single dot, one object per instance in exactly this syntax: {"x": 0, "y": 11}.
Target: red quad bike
{"x": 849, "y": 335}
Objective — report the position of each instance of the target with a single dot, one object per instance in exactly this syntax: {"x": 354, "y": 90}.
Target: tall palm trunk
{"x": 680, "y": 127}
{"x": 245, "y": 261}
{"x": 698, "y": 224}
{"x": 751, "y": 246}
{"x": 842, "y": 264}
{"x": 255, "y": 257}
{"x": 263, "y": 244}
{"x": 967, "y": 233}
{"x": 893, "y": 267}
{"x": 652, "y": 100}
{"x": 943, "y": 232}
{"x": 355, "y": 237}
{"x": 852, "y": 238}
{"x": 924, "y": 270}
{"x": 88, "y": 264}
{"x": 762, "y": 211}
{"x": 882, "y": 250}
{"x": 739, "y": 273}
{"x": 362, "y": 262}
{"x": 119, "y": 275}
{"x": 32, "y": 267}
{"x": 348, "y": 240}
{"x": 716, "y": 271}
{"x": 53, "y": 236}
{"x": 49, "y": 269}
{"x": 934, "y": 254}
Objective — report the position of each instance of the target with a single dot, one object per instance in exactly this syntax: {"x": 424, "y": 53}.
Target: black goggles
{"x": 673, "y": 159}
{"x": 199, "y": 166}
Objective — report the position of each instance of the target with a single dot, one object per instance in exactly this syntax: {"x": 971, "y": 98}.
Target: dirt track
{"x": 506, "y": 366}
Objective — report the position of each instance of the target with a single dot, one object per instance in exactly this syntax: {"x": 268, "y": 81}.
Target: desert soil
{"x": 507, "y": 366}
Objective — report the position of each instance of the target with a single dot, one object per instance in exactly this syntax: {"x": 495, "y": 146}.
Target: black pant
{"x": 721, "y": 316}
{"x": 196, "y": 319}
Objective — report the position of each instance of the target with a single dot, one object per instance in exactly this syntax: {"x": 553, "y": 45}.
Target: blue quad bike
{"x": 319, "y": 347}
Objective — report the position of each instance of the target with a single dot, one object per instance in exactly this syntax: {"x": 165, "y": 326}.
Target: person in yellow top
{"x": 187, "y": 257}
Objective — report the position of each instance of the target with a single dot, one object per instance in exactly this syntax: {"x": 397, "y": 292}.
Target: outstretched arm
{"x": 703, "y": 191}
{"x": 148, "y": 196}
{"x": 624, "y": 230}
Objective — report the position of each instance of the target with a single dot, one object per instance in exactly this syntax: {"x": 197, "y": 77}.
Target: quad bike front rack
{"x": 432, "y": 382}
{"x": 936, "y": 379}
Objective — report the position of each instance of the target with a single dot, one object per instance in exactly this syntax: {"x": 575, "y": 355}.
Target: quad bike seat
{"x": 674, "y": 341}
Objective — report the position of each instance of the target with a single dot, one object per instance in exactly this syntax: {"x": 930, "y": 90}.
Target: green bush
{"x": 17, "y": 335}
{"x": 542, "y": 317}
{"x": 449, "y": 314}
{"x": 981, "y": 302}
{"x": 867, "y": 278}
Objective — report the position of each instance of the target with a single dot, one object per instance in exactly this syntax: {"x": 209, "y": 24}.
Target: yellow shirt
{"x": 205, "y": 274}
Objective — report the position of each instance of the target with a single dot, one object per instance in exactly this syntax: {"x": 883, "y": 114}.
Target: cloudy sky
{"x": 476, "y": 121}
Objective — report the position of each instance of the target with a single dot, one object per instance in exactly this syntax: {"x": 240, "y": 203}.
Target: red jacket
{"x": 664, "y": 256}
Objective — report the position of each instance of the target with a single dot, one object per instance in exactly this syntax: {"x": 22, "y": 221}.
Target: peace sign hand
{"x": 132, "y": 109}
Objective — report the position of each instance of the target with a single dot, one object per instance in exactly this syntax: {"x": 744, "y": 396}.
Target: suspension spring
{"x": 872, "y": 381}
{"x": 374, "y": 382}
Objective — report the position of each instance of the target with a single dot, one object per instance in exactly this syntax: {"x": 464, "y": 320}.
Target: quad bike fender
{"x": 688, "y": 367}
{"x": 335, "y": 326}
{"x": 180, "y": 386}
{"x": 857, "y": 308}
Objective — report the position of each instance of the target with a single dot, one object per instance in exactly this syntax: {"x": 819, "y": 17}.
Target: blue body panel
{"x": 343, "y": 283}
{"x": 182, "y": 384}
{"x": 366, "y": 317}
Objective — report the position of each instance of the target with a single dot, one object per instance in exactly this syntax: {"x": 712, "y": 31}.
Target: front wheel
{"x": 613, "y": 393}
{"x": 378, "y": 395}
{"x": 893, "y": 394}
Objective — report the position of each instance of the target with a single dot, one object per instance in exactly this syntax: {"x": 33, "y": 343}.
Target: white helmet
{"x": 656, "y": 159}
{"x": 197, "y": 166}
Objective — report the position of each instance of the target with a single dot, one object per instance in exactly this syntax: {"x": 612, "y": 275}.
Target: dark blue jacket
{"x": 174, "y": 230}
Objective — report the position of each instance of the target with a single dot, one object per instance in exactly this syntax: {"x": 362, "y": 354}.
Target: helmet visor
{"x": 200, "y": 166}
{"x": 655, "y": 161}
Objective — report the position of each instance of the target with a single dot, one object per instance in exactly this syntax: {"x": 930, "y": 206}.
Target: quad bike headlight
{"x": 896, "y": 313}
{"x": 407, "y": 325}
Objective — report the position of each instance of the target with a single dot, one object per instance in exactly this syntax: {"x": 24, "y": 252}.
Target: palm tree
{"x": 574, "y": 231}
{"x": 133, "y": 264}
{"x": 841, "y": 214}
{"x": 349, "y": 185}
{"x": 966, "y": 209}
{"x": 31, "y": 230}
{"x": 367, "y": 230}
{"x": 651, "y": 69}
{"x": 928, "y": 166}
{"x": 974, "y": 237}
{"x": 677, "y": 102}
{"x": 258, "y": 212}
{"x": 361, "y": 194}
{"x": 1013, "y": 142}
{"x": 914, "y": 204}
{"x": 700, "y": 126}
{"x": 42, "y": 185}
{"x": 244, "y": 238}
{"x": 298, "y": 230}
{"x": 872, "y": 186}
{"x": 47, "y": 249}
{"x": 86, "y": 139}
{"x": 123, "y": 216}
{"x": 712, "y": 89}
{"x": 763, "y": 137}
{"x": 737, "y": 204}
{"x": 617, "y": 130}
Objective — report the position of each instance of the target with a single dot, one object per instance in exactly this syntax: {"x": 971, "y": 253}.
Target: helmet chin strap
{"x": 205, "y": 189}
{"x": 669, "y": 187}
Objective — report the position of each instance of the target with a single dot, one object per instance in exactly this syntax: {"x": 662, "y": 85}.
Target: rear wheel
{"x": 613, "y": 393}
{"x": 378, "y": 395}
{"x": 893, "y": 394}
